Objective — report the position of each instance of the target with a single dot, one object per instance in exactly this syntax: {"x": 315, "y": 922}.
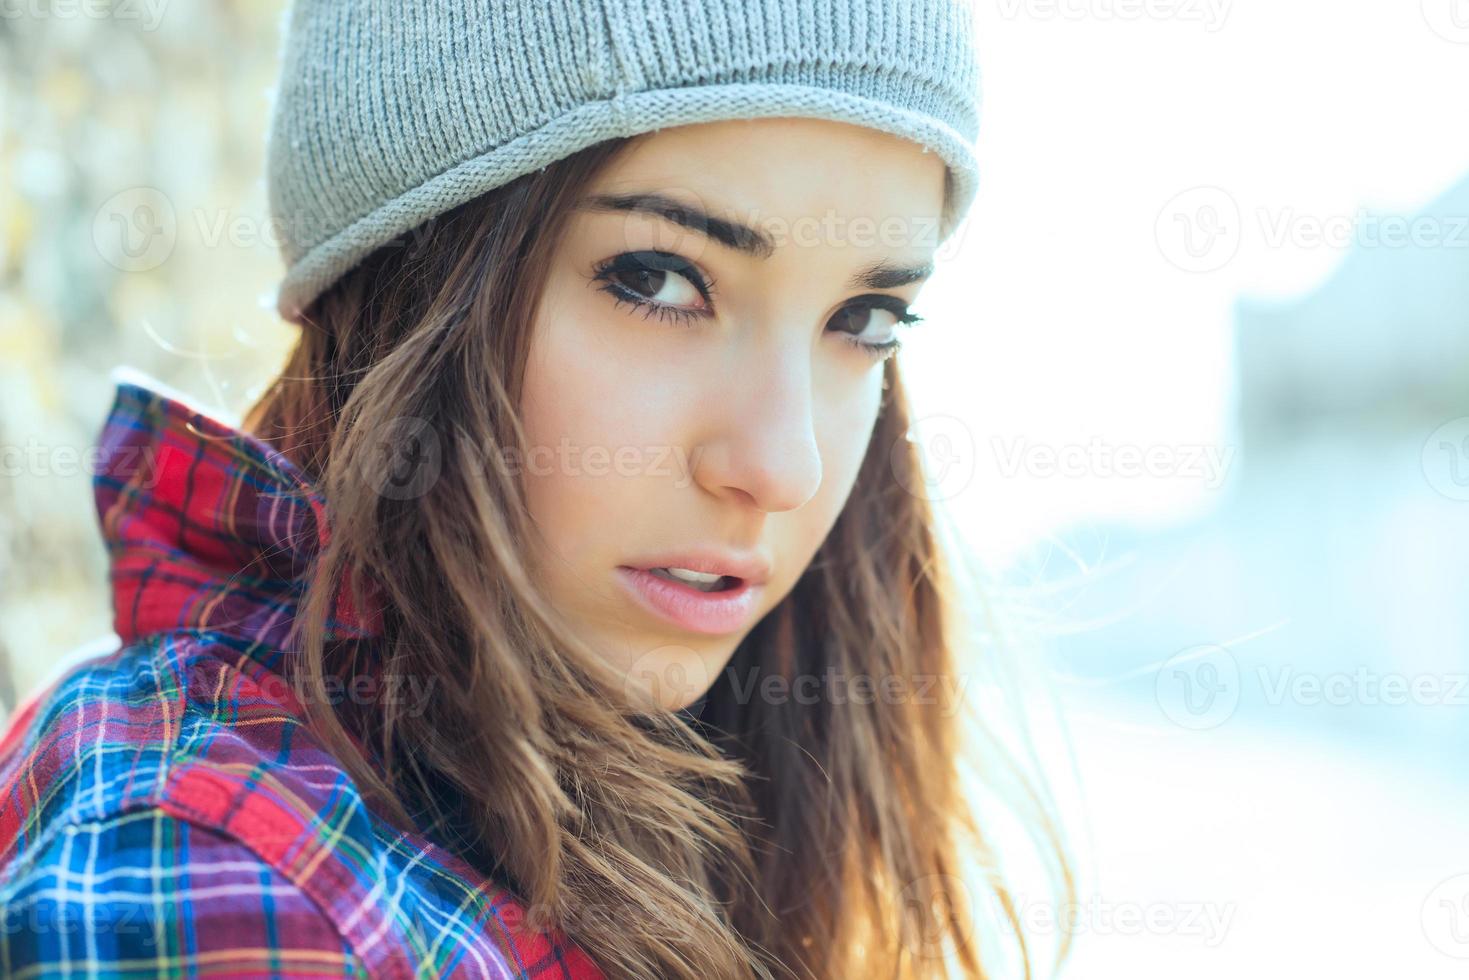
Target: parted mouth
{"x": 703, "y": 581}
{"x": 713, "y": 604}
{"x": 707, "y": 571}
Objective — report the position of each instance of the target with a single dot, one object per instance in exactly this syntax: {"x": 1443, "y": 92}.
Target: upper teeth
{"x": 689, "y": 575}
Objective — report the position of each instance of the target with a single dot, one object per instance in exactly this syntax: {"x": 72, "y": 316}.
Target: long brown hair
{"x": 767, "y": 837}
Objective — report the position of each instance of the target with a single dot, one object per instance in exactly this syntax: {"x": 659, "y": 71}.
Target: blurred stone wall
{"x": 133, "y": 230}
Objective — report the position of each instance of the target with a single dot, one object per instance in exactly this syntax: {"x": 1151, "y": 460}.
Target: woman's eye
{"x": 869, "y": 326}
{"x": 872, "y": 323}
{"x": 659, "y": 285}
{"x": 664, "y": 285}
{"x": 659, "y": 282}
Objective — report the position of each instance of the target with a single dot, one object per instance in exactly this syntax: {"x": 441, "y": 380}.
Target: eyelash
{"x": 668, "y": 262}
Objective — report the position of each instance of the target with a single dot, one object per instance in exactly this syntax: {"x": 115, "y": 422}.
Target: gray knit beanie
{"x": 390, "y": 112}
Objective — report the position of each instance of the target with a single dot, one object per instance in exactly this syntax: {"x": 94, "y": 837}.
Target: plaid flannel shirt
{"x": 163, "y": 809}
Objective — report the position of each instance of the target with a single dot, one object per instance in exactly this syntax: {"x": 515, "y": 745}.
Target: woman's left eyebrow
{"x": 886, "y": 275}
{"x": 741, "y": 237}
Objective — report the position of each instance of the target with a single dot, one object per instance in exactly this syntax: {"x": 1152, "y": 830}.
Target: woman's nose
{"x": 761, "y": 444}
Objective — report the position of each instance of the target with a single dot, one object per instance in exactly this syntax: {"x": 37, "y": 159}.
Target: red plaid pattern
{"x": 163, "y": 809}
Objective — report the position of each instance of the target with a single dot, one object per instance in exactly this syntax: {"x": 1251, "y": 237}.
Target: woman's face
{"x": 698, "y": 396}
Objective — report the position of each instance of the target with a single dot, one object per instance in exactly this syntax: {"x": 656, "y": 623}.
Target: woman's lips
{"x": 727, "y": 611}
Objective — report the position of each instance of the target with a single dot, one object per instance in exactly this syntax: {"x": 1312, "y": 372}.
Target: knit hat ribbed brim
{"x": 391, "y": 112}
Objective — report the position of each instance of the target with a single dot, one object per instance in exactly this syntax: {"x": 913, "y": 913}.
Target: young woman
{"x": 565, "y": 608}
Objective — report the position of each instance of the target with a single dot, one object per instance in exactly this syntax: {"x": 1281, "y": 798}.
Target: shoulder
{"x": 120, "y": 774}
{"x": 106, "y": 731}
{"x": 152, "y": 895}
{"x": 154, "y": 805}
{"x": 99, "y": 862}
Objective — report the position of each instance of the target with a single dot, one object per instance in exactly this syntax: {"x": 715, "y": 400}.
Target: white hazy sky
{"x": 1065, "y": 319}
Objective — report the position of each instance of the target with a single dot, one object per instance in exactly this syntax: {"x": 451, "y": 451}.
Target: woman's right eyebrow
{"x": 741, "y": 237}
{"x": 731, "y": 234}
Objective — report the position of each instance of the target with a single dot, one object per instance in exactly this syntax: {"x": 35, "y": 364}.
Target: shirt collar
{"x": 206, "y": 526}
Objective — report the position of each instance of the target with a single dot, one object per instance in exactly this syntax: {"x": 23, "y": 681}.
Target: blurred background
{"x": 1194, "y": 388}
